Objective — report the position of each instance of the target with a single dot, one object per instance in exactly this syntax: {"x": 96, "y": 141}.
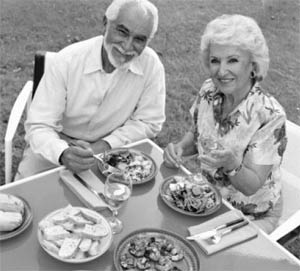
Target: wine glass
{"x": 117, "y": 190}
{"x": 209, "y": 142}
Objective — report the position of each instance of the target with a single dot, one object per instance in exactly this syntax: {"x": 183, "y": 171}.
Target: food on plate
{"x": 69, "y": 247}
{"x": 134, "y": 164}
{"x": 192, "y": 197}
{"x": 10, "y": 220}
{"x": 151, "y": 253}
{"x": 11, "y": 212}
{"x": 73, "y": 233}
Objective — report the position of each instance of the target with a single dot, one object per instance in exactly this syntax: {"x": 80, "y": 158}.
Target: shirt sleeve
{"x": 269, "y": 142}
{"x": 46, "y": 110}
{"x": 149, "y": 114}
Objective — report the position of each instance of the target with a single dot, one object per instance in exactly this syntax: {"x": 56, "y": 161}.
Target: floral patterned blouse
{"x": 255, "y": 130}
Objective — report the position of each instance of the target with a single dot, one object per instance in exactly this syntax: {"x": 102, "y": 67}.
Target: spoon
{"x": 218, "y": 236}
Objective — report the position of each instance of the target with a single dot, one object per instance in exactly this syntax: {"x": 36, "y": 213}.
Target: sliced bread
{"x": 69, "y": 247}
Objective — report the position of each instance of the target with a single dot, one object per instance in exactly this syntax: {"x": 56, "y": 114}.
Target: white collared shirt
{"x": 78, "y": 98}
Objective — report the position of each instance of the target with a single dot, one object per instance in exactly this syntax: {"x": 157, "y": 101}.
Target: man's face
{"x": 127, "y": 36}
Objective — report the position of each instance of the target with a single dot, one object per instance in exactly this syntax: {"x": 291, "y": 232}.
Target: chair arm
{"x": 292, "y": 223}
{"x": 14, "y": 119}
{"x": 292, "y": 153}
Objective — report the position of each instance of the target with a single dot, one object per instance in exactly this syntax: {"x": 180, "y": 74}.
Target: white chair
{"x": 22, "y": 103}
{"x": 291, "y": 184}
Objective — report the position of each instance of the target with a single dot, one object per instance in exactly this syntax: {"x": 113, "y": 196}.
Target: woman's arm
{"x": 250, "y": 178}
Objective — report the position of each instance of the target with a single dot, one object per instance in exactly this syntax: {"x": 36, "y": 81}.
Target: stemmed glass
{"x": 209, "y": 142}
{"x": 117, "y": 190}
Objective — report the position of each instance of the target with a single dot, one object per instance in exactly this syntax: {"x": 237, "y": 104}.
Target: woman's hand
{"x": 225, "y": 158}
{"x": 78, "y": 157}
{"x": 172, "y": 155}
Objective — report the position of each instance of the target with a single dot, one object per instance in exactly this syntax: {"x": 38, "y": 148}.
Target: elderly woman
{"x": 238, "y": 129}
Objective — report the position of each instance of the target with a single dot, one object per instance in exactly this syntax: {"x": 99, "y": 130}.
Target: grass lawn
{"x": 31, "y": 25}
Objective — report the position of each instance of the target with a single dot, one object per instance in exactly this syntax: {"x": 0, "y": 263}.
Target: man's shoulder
{"x": 150, "y": 55}
{"x": 80, "y": 47}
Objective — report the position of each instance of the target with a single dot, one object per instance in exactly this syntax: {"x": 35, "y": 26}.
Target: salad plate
{"x": 136, "y": 164}
{"x": 190, "y": 198}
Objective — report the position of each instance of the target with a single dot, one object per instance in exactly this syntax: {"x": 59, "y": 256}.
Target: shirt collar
{"x": 94, "y": 63}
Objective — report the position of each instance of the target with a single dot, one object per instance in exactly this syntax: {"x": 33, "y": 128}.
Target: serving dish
{"x": 190, "y": 198}
{"x": 136, "y": 164}
{"x": 27, "y": 219}
{"x": 65, "y": 217}
{"x": 155, "y": 248}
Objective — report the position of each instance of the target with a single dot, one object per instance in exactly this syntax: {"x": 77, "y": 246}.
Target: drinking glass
{"x": 117, "y": 190}
{"x": 209, "y": 142}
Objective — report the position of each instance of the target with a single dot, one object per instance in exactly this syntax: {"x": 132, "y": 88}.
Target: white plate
{"x": 104, "y": 244}
{"x": 164, "y": 190}
{"x": 27, "y": 219}
{"x": 118, "y": 151}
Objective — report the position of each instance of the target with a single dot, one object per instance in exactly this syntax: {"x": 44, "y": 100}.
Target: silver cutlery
{"x": 99, "y": 195}
{"x": 218, "y": 236}
{"x": 210, "y": 233}
{"x": 107, "y": 168}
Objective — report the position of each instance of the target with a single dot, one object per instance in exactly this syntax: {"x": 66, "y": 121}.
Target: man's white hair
{"x": 241, "y": 31}
{"x": 113, "y": 10}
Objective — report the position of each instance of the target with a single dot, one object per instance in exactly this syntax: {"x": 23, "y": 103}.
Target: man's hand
{"x": 78, "y": 157}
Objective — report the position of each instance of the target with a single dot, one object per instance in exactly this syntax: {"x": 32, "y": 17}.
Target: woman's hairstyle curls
{"x": 241, "y": 31}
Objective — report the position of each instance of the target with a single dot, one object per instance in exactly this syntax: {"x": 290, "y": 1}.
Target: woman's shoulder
{"x": 265, "y": 103}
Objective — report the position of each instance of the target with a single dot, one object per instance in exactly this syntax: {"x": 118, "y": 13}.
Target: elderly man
{"x": 99, "y": 93}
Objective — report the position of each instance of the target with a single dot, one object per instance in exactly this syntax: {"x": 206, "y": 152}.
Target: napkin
{"x": 236, "y": 237}
{"x": 88, "y": 198}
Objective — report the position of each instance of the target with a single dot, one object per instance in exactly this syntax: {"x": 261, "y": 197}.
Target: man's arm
{"x": 44, "y": 117}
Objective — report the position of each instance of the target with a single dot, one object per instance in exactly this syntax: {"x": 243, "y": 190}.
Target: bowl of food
{"x": 189, "y": 197}
{"x": 15, "y": 215}
{"x": 74, "y": 234}
{"x": 140, "y": 167}
{"x": 155, "y": 249}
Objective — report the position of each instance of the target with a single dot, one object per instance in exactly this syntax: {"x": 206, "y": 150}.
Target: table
{"x": 46, "y": 192}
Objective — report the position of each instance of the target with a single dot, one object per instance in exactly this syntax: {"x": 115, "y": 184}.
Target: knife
{"x": 99, "y": 195}
{"x": 210, "y": 233}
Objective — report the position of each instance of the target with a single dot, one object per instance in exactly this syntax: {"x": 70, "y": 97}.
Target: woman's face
{"x": 230, "y": 69}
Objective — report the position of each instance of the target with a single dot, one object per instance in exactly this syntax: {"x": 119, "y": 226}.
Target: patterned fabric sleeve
{"x": 269, "y": 142}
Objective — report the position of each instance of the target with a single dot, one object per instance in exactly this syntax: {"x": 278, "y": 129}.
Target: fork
{"x": 108, "y": 168}
{"x": 218, "y": 236}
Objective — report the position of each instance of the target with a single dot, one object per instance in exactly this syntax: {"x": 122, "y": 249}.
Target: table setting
{"x": 167, "y": 219}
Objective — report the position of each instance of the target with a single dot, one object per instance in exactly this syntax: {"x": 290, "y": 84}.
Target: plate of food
{"x": 188, "y": 197}
{"x": 15, "y": 215}
{"x": 136, "y": 164}
{"x": 155, "y": 249}
{"x": 74, "y": 234}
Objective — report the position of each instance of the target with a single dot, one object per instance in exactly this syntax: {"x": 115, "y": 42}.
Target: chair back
{"x": 42, "y": 60}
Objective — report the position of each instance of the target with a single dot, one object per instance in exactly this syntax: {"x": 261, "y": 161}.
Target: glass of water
{"x": 117, "y": 190}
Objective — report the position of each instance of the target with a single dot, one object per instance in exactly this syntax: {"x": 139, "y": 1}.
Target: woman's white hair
{"x": 114, "y": 8}
{"x": 241, "y": 31}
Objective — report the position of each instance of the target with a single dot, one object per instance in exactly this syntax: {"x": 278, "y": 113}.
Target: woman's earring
{"x": 252, "y": 75}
